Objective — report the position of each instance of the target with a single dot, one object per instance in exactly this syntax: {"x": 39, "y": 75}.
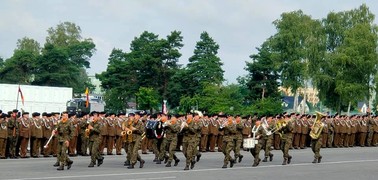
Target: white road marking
{"x": 190, "y": 171}
{"x": 155, "y": 178}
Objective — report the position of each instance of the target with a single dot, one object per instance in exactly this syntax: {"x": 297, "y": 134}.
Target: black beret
{"x": 131, "y": 114}
{"x": 15, "y": 111}
{"x": 25, "y": 113}
{"x": 94, "y": 112}
{"x": 3, "y": 116}
{"x": 48, "y": 114}
{"x": 44, "y": 114}
{"x": 36, "y": 114}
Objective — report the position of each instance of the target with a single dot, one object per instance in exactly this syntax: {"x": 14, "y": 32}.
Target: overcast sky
{"x": 238, "y": 26}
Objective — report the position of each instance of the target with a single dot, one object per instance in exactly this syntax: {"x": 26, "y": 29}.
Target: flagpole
{"x": 18, "y": 94}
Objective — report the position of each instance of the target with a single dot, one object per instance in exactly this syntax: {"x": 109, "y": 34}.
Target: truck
{"x": 30, "y": 98}
{"x": 77, "y": 105}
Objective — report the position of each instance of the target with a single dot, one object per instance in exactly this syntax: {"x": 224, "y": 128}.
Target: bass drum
{"x": 159, "y": 130}
{"x": 150, "y": 129}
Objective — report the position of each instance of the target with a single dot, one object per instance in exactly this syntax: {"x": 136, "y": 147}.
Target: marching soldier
{"x": 94, "y": 129}
{"x": 266, "y": 141}
{"x": 4, "y": 118}
{"x": 257, "y": 132}
{"x": 54, "y": 143}
{"x": 198, "y": 127}
{"x": 189, "y": 139}
{"x": 64, "y": 133}
{"x": 137, "y": 129}
{"x": 286, "y": 138}
{"x": 229, "y": 129}
{"x": 247, "y": 128}
{"x": 170, "y": 141}
{"x": 36, "y": 134}
{"x": 238, "y": 139}
{"x": 316, "y": 138}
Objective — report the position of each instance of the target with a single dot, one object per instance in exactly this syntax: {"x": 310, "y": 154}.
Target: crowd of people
{"x": 96, "y": 134}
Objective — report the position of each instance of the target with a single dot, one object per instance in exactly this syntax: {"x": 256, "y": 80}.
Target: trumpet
{"x": 224, "y": 124}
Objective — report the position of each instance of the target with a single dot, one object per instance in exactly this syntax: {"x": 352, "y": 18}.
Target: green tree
{"x": 350, "y": 64}
{"x": 290, "y": 43}
{"x": 204, "y": 67}
{"x": 65, "y": 46}
{"x": 147, "y": 98}
{"x": 262, "y": 80}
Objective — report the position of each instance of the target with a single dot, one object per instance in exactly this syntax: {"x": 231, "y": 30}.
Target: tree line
{"x": 337, "y": 55}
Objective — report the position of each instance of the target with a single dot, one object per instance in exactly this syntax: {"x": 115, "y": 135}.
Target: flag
{"x": 22, "y": 96}
{"x": 87, "y": 96}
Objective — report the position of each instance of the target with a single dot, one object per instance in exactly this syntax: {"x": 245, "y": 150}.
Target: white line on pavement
{"x": 195, "y": 170}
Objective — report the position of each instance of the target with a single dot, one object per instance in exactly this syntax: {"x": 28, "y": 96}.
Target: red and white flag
{"x": 22, "y": 96}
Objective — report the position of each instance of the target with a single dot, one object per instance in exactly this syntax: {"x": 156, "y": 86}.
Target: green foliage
{"x": 266, "y": 106}
{"x": 19, "y": 69}
{"x": 262, "y": 80}
{"x": 147, "y": 98}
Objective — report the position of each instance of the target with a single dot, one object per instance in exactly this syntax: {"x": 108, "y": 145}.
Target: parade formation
{"x": 63, "y": 135}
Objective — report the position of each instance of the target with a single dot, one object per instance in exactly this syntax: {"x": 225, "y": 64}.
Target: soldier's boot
{"x": 127, "y": 163}
{"x": 168, "y": 164}
{"x": 69, "y": 164}
{"x": 166, "y": 159}
{"x": 224, "y": 165}
{"x": 320, "y": 159}
{"x": 315, "y": 160}
{"x": 232, "y": 162}
{"x": 265, "y": 159}
{"x": 141, "y": 163}
{"x": 131, "y": 166}
{"x": 240, "y": 158}
{"x": 100, "y": 161}
{"x": 289, "y": 159}
{"x": 91, "y": 164}
{"x": 176, "y": 162}
{"x": 158, "y": 161}
{"x": 270, "y": 157}
{"x": 192, "y": 164}
{"x": 255, "y": 163}
{"x": 56, "y": 164}
{"x": 61, "y": 167}
{"x": 284, "y": 161}
{"x": 198, "y": 157}
{"x": 186, "y": 167}
{"x": 155, "y": 159}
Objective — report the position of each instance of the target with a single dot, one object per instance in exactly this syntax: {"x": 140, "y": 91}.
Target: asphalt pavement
{"x": 338, "y": 163}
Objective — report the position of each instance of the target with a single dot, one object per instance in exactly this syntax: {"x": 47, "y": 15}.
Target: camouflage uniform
{"x": 135, "y": 144}
{"x": 256, "y": 151}
{"x": 170, "y": 142}
{"x": 13, "y": 134}
{"x": 228, "y": 144}
{"x": 316, "y": 144}
{"x": 94, "y": 143}
{"x": 188, "y": 143}
{"x": 286, "y": 140}
{"x": 64, "y": 133}
{"x": 238, "y": 141}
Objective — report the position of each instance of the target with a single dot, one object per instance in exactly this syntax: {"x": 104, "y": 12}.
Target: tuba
{"x": 317, "y": 126}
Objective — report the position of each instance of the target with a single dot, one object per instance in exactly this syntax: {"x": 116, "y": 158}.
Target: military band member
{"x": 247, "y": 128}
{"x": 257, "y": 132}
{"x": 169, "y": 142}
{"x": 189, "y": 139}
{"x": 229, "y": 129}
{"x": 137, "y": 129}
{"x": 36, "y": 134}
{"x": 316, "y": 140}
{"x": 64, "y": 133}
{"x": 285, "y": 131}
{"x": 238, "y": 138}
{"x": 24, "y": 133}
{"x": 266, "y": 140}
{"x": 94, "y": 129}
{"x": 54, "y": 143}
{"x": 198, "y": 127}
{"x": 4, "y": 118}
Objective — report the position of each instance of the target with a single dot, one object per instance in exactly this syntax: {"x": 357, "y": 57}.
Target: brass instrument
{"x": 265, "y": 126}
{"x": 317, "y": 126}
{"x": 280, "y": 124}
{"x": 127, "y": 133}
